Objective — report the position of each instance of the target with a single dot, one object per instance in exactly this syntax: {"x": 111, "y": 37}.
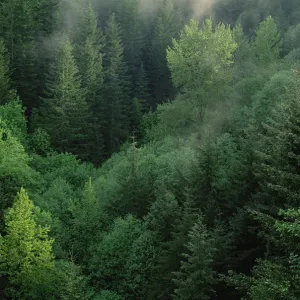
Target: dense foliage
{"x": 150, "y": 149}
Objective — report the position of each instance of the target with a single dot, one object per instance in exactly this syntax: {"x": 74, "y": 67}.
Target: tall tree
{"x": 131, "y": 22}
{"x": 116, "y": 88}
{"x": 64, "y": 107}
{"x": 165, "y": 29}
{"x": 89, "y": 43}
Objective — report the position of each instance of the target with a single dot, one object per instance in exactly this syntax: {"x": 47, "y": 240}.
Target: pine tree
{"x": 25, "y": 251}
{"x": 89, "y": 45}
{"x": 116, "y": 88}
{"x": 195, "y": 278}
{"x": 65, "y": 109}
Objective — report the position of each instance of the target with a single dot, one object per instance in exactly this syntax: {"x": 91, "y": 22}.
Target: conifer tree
{"x": 25, "y": 251}
{"x": 89, "y": 45}
{"x": 19, "y": 28}
{"x": 195, "y": 277}
{"x": 116, "y": 88}
{"x": 141, "y": 91}
{"x": 165, "y": 29}
{"x": 65, "y": 109}
{"x": 277, "y": 153}
{"x": 130, "y": 20}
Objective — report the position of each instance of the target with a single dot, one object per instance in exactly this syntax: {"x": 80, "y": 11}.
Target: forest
{"x": 150, "y": 149}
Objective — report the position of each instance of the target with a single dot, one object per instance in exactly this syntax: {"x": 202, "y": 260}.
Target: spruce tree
{"x": 65, "y": 110}
{"x": 116, "y": 88}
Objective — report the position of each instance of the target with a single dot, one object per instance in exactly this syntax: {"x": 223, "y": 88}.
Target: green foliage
{"x": 89, "y": 45}
{"x": 13, "y": 115}
{"x": 116, "y": 88}
{"x": 195, "y": 277}
{"x": 65, "y": 109}
{"x": 200, "y": 55}
{"x": 108, "y": 262}
{"x": 267, "y": 44}
{"x": 14, "y": 165}
{"x": 26, "y": 250}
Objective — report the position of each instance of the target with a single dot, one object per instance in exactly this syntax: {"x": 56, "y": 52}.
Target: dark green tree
{"x": 65, "y": 110}
{"x": 195, "y": 278}
{"x": 165, "y": 29}
{"x": 115, "y": 88}
{"x": 89, "y": 43}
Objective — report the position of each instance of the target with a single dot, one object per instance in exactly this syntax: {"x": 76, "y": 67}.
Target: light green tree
{"x": 26, "y": 249}
{"x": 267, "y": 43}
{"x": 199, "y": 56}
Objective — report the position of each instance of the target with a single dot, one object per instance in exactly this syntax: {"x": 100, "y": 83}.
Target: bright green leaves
{"x": 198, "y": 57}
{"x": 26, "y": 250}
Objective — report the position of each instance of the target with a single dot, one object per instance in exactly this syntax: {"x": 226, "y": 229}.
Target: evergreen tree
{"x": 131, "y": 23}
{"x": 277, "y": 152}
{"x": 116, "y": 88}
{"x": 19, "y": 27}
{"x": 26, "y": 250}
{"x": 89, "y": 45}
{"x": 65, "y": 108}
{"x": 141, "y": 91}
{"x": 165, "y": 29}
{"x": 195, "y": 278}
